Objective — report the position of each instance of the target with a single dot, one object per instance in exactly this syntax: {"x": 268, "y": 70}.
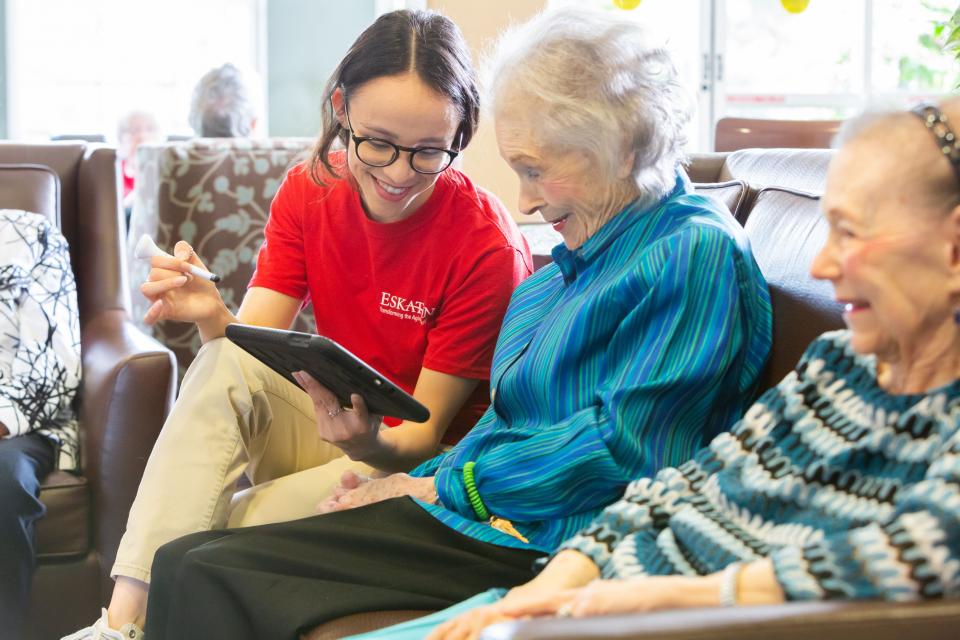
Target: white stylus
{"x": 147, "y": 248}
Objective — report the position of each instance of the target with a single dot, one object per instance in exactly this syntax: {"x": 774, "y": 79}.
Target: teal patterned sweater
{"x": 622, "y": 357}
{"x": 853, "y": 493}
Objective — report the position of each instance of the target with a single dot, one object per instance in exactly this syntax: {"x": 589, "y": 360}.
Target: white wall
{"x": 480, "y": 23}
{"x": 305, "y": 41}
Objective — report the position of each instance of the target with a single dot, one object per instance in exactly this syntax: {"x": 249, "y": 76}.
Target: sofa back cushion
{"x": 735, "y": 194}
{"x": 31, "y": 187}
{"x": 89, "y": 215}
{"x": 704, "y": 167}
{"x": 786, "y": 232}
{"x": 801, "y": 169}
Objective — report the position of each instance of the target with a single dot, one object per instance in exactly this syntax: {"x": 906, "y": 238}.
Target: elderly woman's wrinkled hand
{"x": 600, "y": 597}
{"x": 356, "y": 490}
{"x": 528, "y": 600}
{"x": 468, "y": 625}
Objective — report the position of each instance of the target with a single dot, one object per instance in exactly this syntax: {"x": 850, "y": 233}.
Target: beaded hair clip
{"x": 947, "y": 140}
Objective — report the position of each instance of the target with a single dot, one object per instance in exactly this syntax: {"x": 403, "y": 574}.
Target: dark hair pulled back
{"x": 423, "y": 42}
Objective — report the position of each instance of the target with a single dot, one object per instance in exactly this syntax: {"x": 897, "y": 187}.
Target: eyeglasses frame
{"x": 411, "y": 151}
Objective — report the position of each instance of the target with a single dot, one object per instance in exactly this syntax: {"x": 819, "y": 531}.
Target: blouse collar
{"x": 572, "y": 263}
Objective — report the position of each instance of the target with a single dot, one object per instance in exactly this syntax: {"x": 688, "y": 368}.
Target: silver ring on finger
{"x": 335, "y": 412}
{"x": 565, "y": 611}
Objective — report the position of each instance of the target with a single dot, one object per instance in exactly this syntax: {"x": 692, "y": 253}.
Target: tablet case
{"x": 331, "y": 364}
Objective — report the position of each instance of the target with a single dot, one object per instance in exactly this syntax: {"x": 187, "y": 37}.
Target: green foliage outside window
{"x": 943, "y": 38}
{"x": 950, "y": 32}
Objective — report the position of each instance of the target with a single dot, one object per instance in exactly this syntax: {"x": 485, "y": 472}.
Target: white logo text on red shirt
{"x": 405, "y": 308}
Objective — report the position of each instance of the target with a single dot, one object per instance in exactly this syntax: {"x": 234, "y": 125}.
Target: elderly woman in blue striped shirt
{"x": 843, "y": 482}
{"x": 643, "y": 340}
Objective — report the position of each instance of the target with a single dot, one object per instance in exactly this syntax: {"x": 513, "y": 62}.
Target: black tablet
{"x": 332, "y": 365}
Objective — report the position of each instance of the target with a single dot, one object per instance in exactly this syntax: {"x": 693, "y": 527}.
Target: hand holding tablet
{"x": 331, "y": 365}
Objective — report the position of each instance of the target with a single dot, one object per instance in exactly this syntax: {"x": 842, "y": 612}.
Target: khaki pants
{"x": 234, "y": 415}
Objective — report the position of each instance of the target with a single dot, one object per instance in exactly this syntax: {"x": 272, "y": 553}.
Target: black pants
{"x": 24, "y": 461}
{"x": 279, "y": 580}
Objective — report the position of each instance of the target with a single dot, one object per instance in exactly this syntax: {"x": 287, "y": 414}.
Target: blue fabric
{"x": 622, "y": 357}
{"x": 421, "y": 627}
{"x": 24, "y": 461}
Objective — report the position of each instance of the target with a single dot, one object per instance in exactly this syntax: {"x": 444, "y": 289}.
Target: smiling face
{"x": 403, "y": 110}
{"x": 892, "y": 255}
{"x": 566, "y": 188}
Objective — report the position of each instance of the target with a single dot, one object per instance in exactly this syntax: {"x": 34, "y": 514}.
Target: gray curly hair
{"x": 601, "y": 87}
{"x": 222, "y": 105}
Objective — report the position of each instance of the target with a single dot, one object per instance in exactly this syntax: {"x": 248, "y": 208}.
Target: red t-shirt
{"x": 126, "y": 173}
{"x": 428, "y": 291}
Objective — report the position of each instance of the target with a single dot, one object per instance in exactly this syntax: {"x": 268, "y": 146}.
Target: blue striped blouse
{"x": 620, "y": 358}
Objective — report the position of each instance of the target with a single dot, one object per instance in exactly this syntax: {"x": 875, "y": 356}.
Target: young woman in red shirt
{"x": 406, "y": 262}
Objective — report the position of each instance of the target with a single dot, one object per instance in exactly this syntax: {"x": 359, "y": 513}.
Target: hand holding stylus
{"x": 179, "y": 286}
{"x": 147, "y": 248}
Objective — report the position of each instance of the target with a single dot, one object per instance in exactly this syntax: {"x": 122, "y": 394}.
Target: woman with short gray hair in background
{"x": 223, "y": 104}
{"x": 643, "y": 340}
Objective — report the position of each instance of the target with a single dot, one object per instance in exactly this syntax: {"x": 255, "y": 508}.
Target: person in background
{"x": 134, "y": 129}
{"x": 39, "y": 377}
{"x": 223, "y": 105}
{"x": 642, "y": 341}
{"x": 406, "y": 263}
{"x": 843, "y": 482}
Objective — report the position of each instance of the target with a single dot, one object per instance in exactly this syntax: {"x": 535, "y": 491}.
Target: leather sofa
{"x": 127, "y": 385}
{"x": 775, "y": 194}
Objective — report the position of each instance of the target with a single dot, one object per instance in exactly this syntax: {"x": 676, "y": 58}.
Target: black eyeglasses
{"x": 376, "y": 152}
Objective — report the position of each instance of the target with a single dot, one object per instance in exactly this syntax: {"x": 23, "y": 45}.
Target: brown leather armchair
{"x": 127, "y": 386}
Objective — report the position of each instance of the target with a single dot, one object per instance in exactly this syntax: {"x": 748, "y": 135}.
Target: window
{"x": 79, "y": 72}
{"x": 752, "y": 58}
{"x": 831, "y": 60}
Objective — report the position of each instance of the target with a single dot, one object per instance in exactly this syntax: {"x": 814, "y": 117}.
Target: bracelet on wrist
{"x": 470, "y": 485}
{"x": 728, "y": 584}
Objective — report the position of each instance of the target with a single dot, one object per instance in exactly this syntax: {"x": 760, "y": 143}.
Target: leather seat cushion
{"x": 64, "y": 532}
{"x": 30, "y": 187}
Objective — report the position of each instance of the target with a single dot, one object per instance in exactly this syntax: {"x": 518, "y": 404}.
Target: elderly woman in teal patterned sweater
{"x": 844, "y": 480}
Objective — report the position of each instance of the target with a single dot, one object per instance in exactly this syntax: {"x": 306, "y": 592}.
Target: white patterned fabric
{"x": 39, "y": 333}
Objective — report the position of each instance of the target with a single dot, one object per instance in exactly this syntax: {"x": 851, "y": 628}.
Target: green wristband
{"x": 471, "y": 486}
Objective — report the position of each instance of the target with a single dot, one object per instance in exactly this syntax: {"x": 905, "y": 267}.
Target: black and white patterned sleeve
{"x": 39, "y": 329}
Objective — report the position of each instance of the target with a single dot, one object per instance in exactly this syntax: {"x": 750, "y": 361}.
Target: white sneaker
{"x": 100, "y": 630}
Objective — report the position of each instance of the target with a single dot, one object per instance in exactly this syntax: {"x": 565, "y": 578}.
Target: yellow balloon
{"x": 795, "y": 6}
{"x": 626, "y": 4}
